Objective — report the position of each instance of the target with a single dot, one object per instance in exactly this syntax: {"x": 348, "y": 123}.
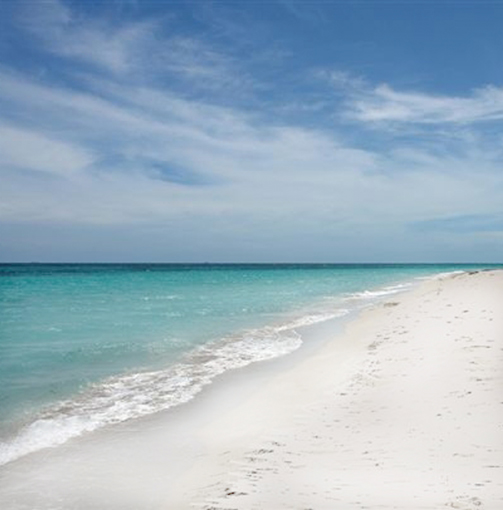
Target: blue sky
{"x": 329, "y": 131}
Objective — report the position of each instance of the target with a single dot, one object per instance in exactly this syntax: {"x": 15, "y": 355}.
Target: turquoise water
{"x": 84, "y": 346}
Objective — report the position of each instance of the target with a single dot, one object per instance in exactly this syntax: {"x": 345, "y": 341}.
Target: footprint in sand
{"x": 465, "y": 503}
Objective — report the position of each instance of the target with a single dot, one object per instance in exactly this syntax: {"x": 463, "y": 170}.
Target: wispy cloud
{"x": 345, "y": 82}
{"x": 308, "y": 12}
{"x": 197, "y": 62}
{"x": 116, "y": 150}
{"x": 113, "y": 47}
{"x": 385, "y": 104}
{"x": 23, "y": 149}
{"x": 147, "y": 50}
{"x": 154, "y": 154}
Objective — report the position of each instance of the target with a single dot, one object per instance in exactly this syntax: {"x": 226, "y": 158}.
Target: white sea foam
{"x": 447, "y": 274}
{"x": 385, "y": 291}
{"x": 440, "y": 276}
{"x": 314, "y": 318}
{"x": 129, "y": 396}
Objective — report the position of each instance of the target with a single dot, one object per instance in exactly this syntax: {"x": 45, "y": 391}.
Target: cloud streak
{"x": 385, "y": 104}
{"x": 116, "y": 49}
{"x": 22, "y": 149}
{"x": 143, "y": 155}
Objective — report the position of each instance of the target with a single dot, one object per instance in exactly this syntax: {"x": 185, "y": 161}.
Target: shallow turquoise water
{"x": 83, "y": 346}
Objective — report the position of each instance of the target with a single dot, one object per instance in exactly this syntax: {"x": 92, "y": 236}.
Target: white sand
{"x": 415, "y": 421}
{"x": 404, "y": 410}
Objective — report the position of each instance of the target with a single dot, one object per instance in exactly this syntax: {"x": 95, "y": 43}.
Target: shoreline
{"x": 61, "y": 421}
{"x": 415, "y": 423}
{"x": 378, "y": 415}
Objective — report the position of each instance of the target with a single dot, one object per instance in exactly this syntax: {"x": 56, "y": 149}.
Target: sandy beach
{"x": 402, "y": 409}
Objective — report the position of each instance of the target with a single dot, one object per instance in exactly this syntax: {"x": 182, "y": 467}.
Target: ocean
{"x": 84, "y": 346}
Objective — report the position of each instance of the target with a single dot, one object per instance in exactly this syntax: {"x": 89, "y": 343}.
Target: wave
{"x": 128, "y": 396}
{"x": 379, "y": 293}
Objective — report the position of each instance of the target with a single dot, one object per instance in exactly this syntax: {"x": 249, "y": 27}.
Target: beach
{"x": 401, "y": 407}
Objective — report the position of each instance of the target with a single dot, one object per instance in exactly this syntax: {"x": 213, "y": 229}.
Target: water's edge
{"x": 120, "y": 398}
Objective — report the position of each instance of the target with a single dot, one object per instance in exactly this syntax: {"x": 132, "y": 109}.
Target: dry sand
{"x": 403, "y": 410}
{"x": 412, "y": 421}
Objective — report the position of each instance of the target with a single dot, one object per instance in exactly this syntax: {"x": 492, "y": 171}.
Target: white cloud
{"x": 309, "y": 12}
{"x": 384, "y": 104}
{"x": 109, "y": 46}
{"x": 250, "y": 168}
{"x": 145, "y": 156}
{"x": 29, "y": 150}
{"x": 140, "y": 49}
{"x": 196, "y": 61}
{"x": 346, "y": 82}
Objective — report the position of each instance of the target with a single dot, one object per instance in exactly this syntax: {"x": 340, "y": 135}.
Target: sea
{"x": 86, "y": 346}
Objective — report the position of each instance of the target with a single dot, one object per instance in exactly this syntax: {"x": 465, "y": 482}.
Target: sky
{"x": 251, "y": 131}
